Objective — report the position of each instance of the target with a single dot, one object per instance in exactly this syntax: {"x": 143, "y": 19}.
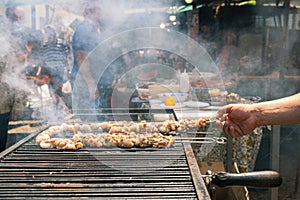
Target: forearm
{"x": 42, "y": 80}
{"x": 281, "y": 111}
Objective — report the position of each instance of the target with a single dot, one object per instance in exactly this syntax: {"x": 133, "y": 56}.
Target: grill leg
{"x": 297, "y": 187}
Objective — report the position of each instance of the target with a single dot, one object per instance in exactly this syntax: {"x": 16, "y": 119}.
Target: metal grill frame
{"x": 35, "y": 189}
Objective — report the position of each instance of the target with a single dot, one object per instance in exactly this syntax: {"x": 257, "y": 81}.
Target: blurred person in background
{"x": 54, "y": 58}
{"x": 12, "y": 96}
{"x": 207, "y": 40}
{"x": 229, "y": 57}
{"x": 86, "y": 37}
{"x": 21, "y": 33}
{"x": 11, "y": 106}
{"x": 238, "y": 120}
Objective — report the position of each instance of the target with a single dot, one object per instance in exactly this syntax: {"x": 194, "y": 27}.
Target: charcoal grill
{"x": 29, "y": 172}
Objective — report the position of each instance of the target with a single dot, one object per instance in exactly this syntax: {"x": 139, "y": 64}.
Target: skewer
{"x": 203, "y": 140}
{"x": 213, "y": 121}
{"x": 190, "y": 133}
{"x": 200, "y": 132}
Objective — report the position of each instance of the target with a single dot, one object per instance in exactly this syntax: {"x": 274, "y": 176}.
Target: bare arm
{"x": 86, "y": 73}
{"x": 240, "y": 119}
{"x": 45, "y": 79}
{"x": 281, "y": 111}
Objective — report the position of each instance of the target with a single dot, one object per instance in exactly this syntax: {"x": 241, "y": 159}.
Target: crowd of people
{"x": 27, "y": 54}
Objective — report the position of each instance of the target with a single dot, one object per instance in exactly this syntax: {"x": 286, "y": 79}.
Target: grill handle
{"x": 248, "y": 179}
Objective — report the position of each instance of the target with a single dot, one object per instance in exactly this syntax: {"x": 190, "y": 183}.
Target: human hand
{"x": 237, "y": 120}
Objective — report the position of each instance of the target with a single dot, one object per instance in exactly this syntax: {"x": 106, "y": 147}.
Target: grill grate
{"x": 29, "y": 172}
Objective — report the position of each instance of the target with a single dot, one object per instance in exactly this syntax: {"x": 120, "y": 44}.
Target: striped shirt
{"x": 54, "y": 57}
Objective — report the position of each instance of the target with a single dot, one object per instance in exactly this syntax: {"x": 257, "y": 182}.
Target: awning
{"x": 12, "y": 3}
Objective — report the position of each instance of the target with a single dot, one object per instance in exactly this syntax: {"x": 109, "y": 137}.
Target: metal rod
{"x": 196, "y": 142}
{"x": 275, "y": 154}
{"x": 203, "y": 140}
{"x": 200, "y": 132}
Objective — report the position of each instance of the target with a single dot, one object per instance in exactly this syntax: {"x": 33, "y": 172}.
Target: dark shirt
{"x": 85, "y": 38}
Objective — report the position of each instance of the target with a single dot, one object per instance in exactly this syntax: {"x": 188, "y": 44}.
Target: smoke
{"x": 116, "y": 17}
{"x": 126, "y": 23}
{"x": 120, "y": 15}
{"x": 10, "y": 68}
{"x": 14, "y": 61}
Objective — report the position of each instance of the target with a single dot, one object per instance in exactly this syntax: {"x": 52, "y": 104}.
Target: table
{"x": 184, "y": 112}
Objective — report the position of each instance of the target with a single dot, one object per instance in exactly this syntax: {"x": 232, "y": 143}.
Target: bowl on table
{"x": 179, "y": 96}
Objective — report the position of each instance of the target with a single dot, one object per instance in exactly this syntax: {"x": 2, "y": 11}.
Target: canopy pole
{"x": 33, "y": 17}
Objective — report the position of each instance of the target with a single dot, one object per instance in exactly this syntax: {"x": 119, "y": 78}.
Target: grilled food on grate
{"x": 113, "y": 133}
{"x": 126, "y": 139}
{"x": 61, "y": 143}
